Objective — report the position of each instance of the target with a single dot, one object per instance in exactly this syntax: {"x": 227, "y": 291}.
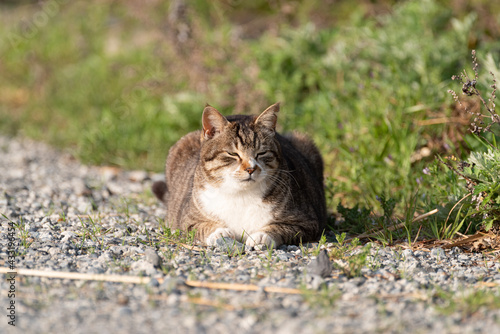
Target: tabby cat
{"x": 239, "y": 178}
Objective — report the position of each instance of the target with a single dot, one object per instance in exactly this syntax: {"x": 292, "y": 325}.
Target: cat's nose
{"x": 250, "y": 170}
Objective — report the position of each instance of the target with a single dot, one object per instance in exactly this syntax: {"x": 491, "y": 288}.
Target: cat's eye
{"x": 233, "y": 154}
{"x": 260, "y": 154}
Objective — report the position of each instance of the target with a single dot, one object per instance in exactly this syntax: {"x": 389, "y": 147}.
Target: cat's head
{"x": 240, "y": 152}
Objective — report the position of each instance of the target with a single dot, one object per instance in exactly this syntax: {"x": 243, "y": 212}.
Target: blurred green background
{"x": 118, "y": 82}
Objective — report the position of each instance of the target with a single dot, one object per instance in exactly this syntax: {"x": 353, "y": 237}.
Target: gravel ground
{"x": 75, "y": 218}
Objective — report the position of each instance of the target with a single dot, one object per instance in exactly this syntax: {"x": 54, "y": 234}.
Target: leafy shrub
{"x": 479, "y": 175}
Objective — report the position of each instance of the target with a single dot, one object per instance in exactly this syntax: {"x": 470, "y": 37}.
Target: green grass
{"x": 116, "y": 86}
{"x": 469, "y": 303}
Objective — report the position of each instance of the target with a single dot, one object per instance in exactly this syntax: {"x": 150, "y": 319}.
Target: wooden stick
{"x": 425, "y": 215}
{"x": 78, "y": 276}
{"x": 469, "y": 239}
{"x": 240, "y": 287}
{"x": 142, "y": 280}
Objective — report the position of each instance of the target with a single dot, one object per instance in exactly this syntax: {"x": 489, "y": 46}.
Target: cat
{"x": 239, "y": 178}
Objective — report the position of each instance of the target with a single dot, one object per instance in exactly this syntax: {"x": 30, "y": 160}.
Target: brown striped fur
{"x": 238, "y": 169}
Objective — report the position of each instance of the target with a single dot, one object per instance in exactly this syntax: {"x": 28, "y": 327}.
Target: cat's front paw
{"x": 260, "y": 238}
{"x": 217, "y": 234}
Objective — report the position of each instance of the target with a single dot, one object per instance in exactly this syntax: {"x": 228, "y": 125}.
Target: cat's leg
{"x": 220, "y": 232}
{"x": 209, "y": 231}
{"x": 261, "y": 238}
{"x": 289, "y": 232}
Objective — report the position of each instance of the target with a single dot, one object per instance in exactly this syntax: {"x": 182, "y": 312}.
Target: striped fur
{"x": 239, "y": 178}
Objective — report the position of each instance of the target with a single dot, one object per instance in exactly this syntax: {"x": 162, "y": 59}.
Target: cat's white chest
{"x": 243, "y": 212}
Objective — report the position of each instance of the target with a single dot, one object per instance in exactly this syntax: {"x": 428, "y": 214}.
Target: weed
{"x": 323, "y": 300}
{"x": 359, "y": 220}
{"x": 358, "y": 87}
{"x": 231, "y": 248}
{"x": 481, "y": 170}
{"x": 347, "y": 259}
{"x": 468, "y": 302}
{"x": 356, "y": 219}
{"x": 410, "y": 210}
{"x": 23, "y": 234}
{"x": 92, "y": 230}
{"x": 321, "y": 245}
{"x": 170, "y": 236}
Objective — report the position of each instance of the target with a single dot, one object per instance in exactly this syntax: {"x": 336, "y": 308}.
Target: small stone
{"x": 320, "y": 266}
{"x": 456, "y": 250}
{"x": 157, "y": 177}
{"x": 170, "y": 284}
{"x": 314, "y": 282}
{"x": 463, "y": 257}
{"x": 229, "y": 245}
{"x": 138, "y": 176}
{"x": 122, "y": 299}
{"x": 45, "y": 236}
{"x": 153, "y": 282}
{"x": 153, "y": 257}
{"x": 80, "y": 188}
{"x": 438, "y": 253}
{"x": 67, "y": 236}
{"x": 123, "y": 311}
{"x": 115, "y": 188}
{"x": 243, "y": 278}
{"x": 142, "y": 266}
{"x": 408, "y": 253}
{"x": 54, "y": 250}
{"x": 283, "y": 257}
{"x": 109, "y": 173}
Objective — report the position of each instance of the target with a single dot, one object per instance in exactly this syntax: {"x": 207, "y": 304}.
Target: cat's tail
{"x": 160, "y": 190}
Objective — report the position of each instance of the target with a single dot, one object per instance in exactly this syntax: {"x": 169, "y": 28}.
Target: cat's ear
{"x": 269, "y": 117}
{"x": 213, "y": 122}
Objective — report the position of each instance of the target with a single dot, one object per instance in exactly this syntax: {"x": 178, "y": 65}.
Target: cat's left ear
{"x": 213, "y": 122}
{"x": 269, "y": 117}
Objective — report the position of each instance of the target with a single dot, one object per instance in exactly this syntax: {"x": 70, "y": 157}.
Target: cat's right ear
{"x": 213, "y": 122}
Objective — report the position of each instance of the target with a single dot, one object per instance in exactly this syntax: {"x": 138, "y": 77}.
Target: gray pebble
{"x": 229, "y": 246}
{"x": 321, "y": 265}
{"x": 153, "y": 257}
{"x": 438, "y": 253}
{"x": 314, "y": 282}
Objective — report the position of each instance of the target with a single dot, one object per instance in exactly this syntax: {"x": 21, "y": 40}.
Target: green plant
{"x": 481, "y": 170}
{"x": 409, "y": 216}
{"x": 468, "y": 302}
{"x": 386, "y": 222}
{"x": 356, "y": 219}
{"x": 232, "y": 249}
{"x": 323, "y": 300}
{"x": 359, "y": 86}
{"x": 321, "y": 244}
{"x": 23, "y": 233}
{"x": 170, "y": 236}
{"x": 361, "y": 220}
{"x": 349, "y": 257}
{"x": 92, "y": 229}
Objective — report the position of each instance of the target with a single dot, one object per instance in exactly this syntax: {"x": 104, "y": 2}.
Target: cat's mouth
{"x": 249, "y": 179}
